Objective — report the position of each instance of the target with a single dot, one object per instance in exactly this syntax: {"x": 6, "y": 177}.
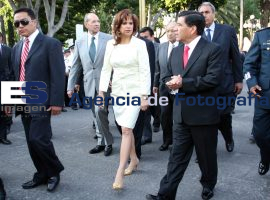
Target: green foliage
{"x": 76, "y": 12}
{"x": 173, "y": 6}
{"x": 7, "y": 13}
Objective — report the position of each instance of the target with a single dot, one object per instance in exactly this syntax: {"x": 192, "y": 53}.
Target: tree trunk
{"x": 3, "y": 29}
{"x": 149, "y": 16}
{"x": 265, "y": 10}
{"x": 50, "y": 15}
{"x": 11, "y": 35}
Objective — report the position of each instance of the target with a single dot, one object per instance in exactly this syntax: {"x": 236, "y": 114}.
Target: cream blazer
{"x": 130, "y": 66}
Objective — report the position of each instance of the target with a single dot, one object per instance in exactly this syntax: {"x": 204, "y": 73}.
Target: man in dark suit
{"x": 193, "y": 69}
{"x": 232, "y": 74}
{"x": 163, "y": 54}
{"x": 148, "y": 33}
{"x": 39, "y": 58}
{"x": 257, "y": 75}
{"x": 5, "y": 69}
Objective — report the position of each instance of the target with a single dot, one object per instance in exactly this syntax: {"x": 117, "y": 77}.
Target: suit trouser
{"x": 225, "y": 124}
{"x": 147, "y": 128}
{"x": 3, "y": 125}
{"x": 261, "y": 132}
{"x": 137, "y": 131}
{"x": 103, "y": 126}
{"x": 155, "y": 112}
{"x": 166, "y": 117}
{"x": 38, "y": 134}
{"x": 185, "y": 137}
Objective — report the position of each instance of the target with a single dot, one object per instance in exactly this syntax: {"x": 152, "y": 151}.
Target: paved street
{"x": 90, "y": 177}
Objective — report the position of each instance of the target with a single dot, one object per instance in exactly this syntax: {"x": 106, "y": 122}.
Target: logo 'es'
{"x": 23, "y": 92}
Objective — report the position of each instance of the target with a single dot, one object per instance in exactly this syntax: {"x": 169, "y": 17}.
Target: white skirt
{"x": 125, "y": 115}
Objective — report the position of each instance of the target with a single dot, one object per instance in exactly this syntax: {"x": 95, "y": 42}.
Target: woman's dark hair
{"x": 120, "y": 17}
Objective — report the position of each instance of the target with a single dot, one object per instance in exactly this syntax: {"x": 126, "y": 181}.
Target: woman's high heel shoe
{"x": 131, "y": 168}
{"x": 117, "y": 186}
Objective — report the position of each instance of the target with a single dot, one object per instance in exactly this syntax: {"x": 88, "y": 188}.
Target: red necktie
{"x": 185, "y": 56}
{"x": 24, "y": 55}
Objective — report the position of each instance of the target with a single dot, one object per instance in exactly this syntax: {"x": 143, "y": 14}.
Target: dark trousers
{"x": 225, "y": 124}
{"x": 38, "y": 134}
{"x": 2, "y": 189}
{"x": 155, "y": 112}
{"x": 185, "y": 137}
{"x": 261, "y": 132}
{"x": 137, "y": 131}
{"x": 166, "y": 118}
{"x": 3, "y": 125}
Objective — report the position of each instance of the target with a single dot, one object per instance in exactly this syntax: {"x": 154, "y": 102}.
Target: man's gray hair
{"x": 86, "y": 17}
{"x": 208, "y": 4}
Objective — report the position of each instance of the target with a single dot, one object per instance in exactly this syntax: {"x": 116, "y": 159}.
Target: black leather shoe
{"x": 95, "y": 137}
{"x": 108, "y": 150}
{"x": 94, "y": 126}
{"x": 53, "y": 183}
{"x": 156, "y": 129}
{"x": 263, "y": 168}
{"x": 156, "y": 197}
{"x": 32, "y": 184}
{"x": 164, "y": 147}
{"x": 153, "y": 197}
{"x": 5, "y": 141}
{"x": 207, "y": 193}
{"x": 230, "y": 146}
{"x": 143, "y": 141}
{"x": 2, "y": 191}
{"x": 97, "y": 149}
{"x": 74, "y": 108}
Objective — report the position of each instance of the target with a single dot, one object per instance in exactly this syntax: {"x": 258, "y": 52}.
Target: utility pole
{"x": 142, "y": 13}
{"x": 241, "y": 24}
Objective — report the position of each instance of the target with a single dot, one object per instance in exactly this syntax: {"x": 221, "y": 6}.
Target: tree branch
{"x": 13, "y": 5}
{"x": 29, "y": 4}
{"x": 52, "y": 13}
{"x": 63, "y": 16}
{"x": 47, "y": 9}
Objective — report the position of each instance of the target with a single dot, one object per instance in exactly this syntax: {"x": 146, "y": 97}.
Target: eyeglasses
{"x": 23, "y": 22}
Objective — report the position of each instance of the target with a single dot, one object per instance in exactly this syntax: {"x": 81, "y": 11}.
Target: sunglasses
{"x": 23, "y": 22}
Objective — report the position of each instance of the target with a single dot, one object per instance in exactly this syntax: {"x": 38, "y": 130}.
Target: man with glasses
{"x": 39, "y": 58}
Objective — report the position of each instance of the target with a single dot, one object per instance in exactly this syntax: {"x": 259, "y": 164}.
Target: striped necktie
{"x": 24, "y": 55}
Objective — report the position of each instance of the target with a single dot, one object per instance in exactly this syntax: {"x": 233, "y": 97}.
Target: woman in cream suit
{"x": 127, "y": 56}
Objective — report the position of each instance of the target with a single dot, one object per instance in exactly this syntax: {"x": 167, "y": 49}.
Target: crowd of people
{"x": 200, "y": 58}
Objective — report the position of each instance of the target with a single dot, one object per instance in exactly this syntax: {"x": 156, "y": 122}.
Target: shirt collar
{"x": 211, "y": 27}
{"x": 96, "y": 36}
{"x": 33, "y": 36}
{"x": 193, "y": 43}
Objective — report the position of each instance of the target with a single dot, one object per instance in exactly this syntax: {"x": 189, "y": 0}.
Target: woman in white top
{"x": 127, "y": 57}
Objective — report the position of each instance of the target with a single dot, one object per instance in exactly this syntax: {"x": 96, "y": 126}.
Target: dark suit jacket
{"x": 257, "y": 63}
{"x": 232, "y": 71}
{"x": 45, "y": 62}
{"x": 152, "y": 58}
{"x": 201, "y": 77}
{"x": 5, "y": 64}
